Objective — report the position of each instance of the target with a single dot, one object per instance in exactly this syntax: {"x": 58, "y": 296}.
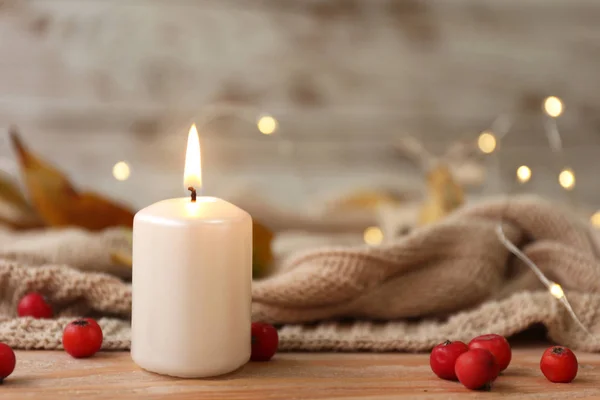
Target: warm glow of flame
{"x": 557, "y": 291}
{"x": 192, "y": 175}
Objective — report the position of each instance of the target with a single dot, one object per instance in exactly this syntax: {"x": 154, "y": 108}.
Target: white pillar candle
{"x": 192, "y": 274}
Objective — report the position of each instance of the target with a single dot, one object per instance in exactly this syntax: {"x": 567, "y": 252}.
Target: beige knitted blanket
{"x": 452, "y": 280}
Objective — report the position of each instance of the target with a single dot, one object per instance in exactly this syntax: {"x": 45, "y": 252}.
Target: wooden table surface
{"x": 55, "y": 375}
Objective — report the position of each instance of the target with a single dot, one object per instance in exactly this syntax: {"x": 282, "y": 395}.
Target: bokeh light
{"x": 553, "y": 106}
{"x": 373, "y": 235}
{"x": 523, "y": 173}
{"x": 566, "y": 178}
{"x": 121, "y": 171}
{"x": 487, "y": 142}
{"x": 267, "y": 124}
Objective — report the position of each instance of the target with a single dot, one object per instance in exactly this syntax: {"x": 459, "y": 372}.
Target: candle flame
{"x": 192, "y": 175}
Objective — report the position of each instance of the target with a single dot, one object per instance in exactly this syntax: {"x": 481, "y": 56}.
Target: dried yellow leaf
{"x": 444, "y": 195}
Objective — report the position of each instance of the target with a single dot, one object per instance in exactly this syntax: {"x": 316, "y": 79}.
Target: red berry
{"x": 264, "y": 341}
{"x": 559, "y": 364}
{"x": 7, "y": 361}
{"x": 476, "y": 369}
{"x": 497, "y": 345}
{"x": 443, "y": 357}
{"x": 82, "y": 338}
{"x": 34, "y": 305}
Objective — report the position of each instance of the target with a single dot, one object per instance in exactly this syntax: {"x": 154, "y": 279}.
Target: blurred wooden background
{"x": 93, "y": 82}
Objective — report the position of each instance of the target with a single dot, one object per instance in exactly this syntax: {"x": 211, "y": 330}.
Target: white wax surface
{"x": 192, "y": 275}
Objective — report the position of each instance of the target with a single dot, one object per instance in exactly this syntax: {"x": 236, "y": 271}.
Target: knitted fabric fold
{"x": 453, "y": 279}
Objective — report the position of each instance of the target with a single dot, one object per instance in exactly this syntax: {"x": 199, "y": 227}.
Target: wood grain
{"x": 54, "y": 375}
{"x": 92, "y": 83}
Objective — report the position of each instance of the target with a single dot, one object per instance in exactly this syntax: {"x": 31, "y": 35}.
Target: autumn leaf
{"x": 444, "y": 195}
{"x": 15, "y": 211}
{"x": 121, "y": 258}
{"x": 58, "y": 202}
{"x": 262, "y": 255}
{"x": 11, "y": 194}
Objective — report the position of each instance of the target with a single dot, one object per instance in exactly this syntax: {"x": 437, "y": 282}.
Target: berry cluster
{"x": 478, "y": 364}
{"x": 83, "y": 337}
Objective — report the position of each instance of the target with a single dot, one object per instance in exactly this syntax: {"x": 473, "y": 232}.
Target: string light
{"x": 557, "y": 291}
{"x": 554, "y": 288}
{"x": 566, "y": 178}
{"x": 121, "y": 171}
{"x": 373, "y": 236}
{"x": 523, "y": 173}
{"x": 553, "y": 106}
{"x": 595, "y": 219}
{"x": 267, "y": 124}
{"x": 486, "y": 142}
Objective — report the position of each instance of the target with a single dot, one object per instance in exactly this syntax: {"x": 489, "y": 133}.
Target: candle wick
{"x": 191, "y": 189}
